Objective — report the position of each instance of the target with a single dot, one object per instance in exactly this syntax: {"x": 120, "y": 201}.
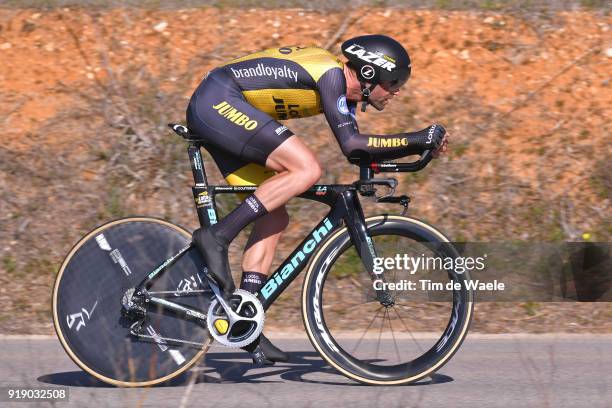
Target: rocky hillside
{"x": 85, "y": 96}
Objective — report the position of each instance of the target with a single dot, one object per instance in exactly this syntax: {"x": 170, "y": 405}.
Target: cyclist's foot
{"x": 214, "y": 252}
{"x": 265, "y": 353}
{"x": 272, "y": 352}
{"x": 260, "y": 359}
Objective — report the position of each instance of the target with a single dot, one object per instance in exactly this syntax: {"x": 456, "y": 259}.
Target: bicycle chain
{"x": 156, "y": 339}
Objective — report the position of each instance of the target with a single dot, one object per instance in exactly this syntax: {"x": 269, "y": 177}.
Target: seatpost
{"x": 202, "y": 193}
{"x": 197, "y": 167}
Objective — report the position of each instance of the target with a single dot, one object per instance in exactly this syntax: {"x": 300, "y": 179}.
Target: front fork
{"x": 358, "y": 231}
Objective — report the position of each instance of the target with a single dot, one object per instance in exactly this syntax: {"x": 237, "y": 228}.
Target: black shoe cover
{"x": 272, "y": 352}
{"x": 264, "y": 353}
{"x": 260, "y": 359}
{"x": 214, "y": 252}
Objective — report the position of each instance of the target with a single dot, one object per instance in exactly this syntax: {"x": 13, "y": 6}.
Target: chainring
{"x": 242, "y": 326}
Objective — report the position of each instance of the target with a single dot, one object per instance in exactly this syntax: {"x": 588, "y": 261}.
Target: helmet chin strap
{"x": 365, "y": 92}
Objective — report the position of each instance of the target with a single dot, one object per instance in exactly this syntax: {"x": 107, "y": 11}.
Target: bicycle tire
{"x": 332, "y": 347}
{"x": 102, "y": 266}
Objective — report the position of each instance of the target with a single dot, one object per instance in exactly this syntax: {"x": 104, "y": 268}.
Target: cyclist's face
{"x": 382, "y": 94}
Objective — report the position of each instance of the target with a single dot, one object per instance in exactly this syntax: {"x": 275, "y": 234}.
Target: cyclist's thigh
{"x": 238, "y": 172}
{"x": 219, "y": 114}
{"x": 293, "y": 154}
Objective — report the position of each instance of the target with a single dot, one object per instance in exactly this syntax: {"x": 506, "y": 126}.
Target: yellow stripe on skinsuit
{"x": 250, "y": 175}
{"x": 304, "y": 102}
{"x": 316, "y": 61}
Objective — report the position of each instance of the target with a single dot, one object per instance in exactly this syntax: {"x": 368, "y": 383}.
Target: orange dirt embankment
{"x": 84, "y": 96}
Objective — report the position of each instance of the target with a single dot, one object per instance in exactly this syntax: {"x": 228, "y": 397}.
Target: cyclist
{"x": 235, "y": 111}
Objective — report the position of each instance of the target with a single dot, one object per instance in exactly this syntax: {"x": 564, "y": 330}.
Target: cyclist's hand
{"x": 437, "y": 137}
{"x": 443, "y": 147}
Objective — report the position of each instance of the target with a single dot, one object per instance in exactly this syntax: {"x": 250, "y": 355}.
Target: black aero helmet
{"x": 378, "y": 58}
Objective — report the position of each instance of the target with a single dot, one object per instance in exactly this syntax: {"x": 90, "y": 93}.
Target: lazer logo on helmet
{"x": 370, "y": 57}
{"x": 367, "y": 72}
{"x": 297, "y": 260}
{"x": 233, "y": 115}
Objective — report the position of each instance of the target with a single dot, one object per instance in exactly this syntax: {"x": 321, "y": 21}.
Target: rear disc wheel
{"x": 87, "y": 311}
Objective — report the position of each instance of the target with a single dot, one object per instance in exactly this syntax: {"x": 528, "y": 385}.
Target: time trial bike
{"x": 134, "y": 304}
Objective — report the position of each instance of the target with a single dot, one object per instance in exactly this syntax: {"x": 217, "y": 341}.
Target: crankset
{"x": 236, "y": 322}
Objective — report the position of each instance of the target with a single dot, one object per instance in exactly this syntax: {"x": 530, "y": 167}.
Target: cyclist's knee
{"x": 308, "y": 172}
{"x": 296, "y": 158}
{"x": 314, "y": 175}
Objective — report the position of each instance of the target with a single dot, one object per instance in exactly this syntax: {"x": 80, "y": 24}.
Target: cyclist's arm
{"x": 341, "y": 119}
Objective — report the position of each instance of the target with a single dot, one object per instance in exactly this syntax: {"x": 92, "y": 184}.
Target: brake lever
{"x": 391, "y": 193}
{"x": 403, "y": 200}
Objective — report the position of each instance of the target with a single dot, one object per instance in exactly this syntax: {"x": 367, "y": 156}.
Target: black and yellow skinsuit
{"x": 237, "y": 106}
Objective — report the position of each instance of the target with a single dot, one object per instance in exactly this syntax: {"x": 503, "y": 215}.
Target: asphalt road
{"x": 488, "y": 371}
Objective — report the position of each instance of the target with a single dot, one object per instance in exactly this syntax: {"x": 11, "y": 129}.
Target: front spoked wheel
{"x": 92, "y": 283}
{"x": 387, "y": 344}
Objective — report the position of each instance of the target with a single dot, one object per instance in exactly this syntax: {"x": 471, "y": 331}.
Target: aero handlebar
{"x": 403, "y": 167}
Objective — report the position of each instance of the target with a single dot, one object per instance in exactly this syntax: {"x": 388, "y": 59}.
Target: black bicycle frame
{"x": 344, "y": 207}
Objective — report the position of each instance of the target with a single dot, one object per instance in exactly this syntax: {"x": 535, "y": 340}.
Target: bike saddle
{"x": 185, "y": 133}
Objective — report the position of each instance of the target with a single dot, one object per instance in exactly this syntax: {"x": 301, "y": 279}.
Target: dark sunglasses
{"x": 392, "y": 86}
